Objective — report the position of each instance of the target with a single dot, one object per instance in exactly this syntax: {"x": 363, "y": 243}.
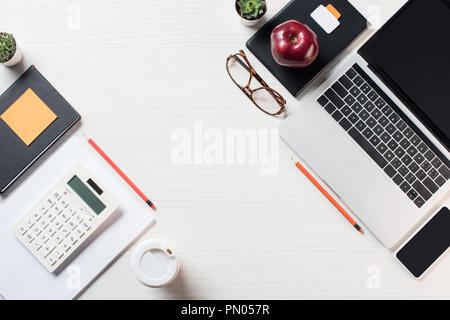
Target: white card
{"x": 325, "y": 19}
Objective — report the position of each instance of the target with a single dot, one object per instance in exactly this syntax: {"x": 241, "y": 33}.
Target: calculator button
{"x": 85, "y": 225}
{"x": 43, "y": 251}
{"x": 56, "y": 195}
{"x": 36, "y": 244}
{"x": 43, "y": 222}
{"x": 56, "y": 210}
{"x": 66, "y": 245}
{"x": 63, "y": 203}
{"x": 72, "y": 238}
{"x": 72, "y": 223}
{"x": 65, "y": 215}
{"x": 65, "y": 231}
{"x": 43, "y": 237}
{"x": 51, "y": 260}
{"x": 51, "y": 244}
{"x": 58, "y": 237}
{"x": 57, "y": 223}
{"x": 49, "y": 202}
{"x": 29, "y": 236}
{"x": 46, "y": 249}
{"x": 78, "y": 217}
{"x": 29, "y": 222}
{"x": 43, "y": 209}
{"x": 36, "y": 215}
{"x": 57, "y": 253}
{"x": 50, "y": 231}
{"x": 51, "y": 216}
{"x": 79, "y": 232}
{"x": 36, "y": 229}
{"x": 22, "y": 229}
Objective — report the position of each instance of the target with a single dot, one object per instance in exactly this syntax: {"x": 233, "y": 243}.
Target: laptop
{"x": 377, "y": 130}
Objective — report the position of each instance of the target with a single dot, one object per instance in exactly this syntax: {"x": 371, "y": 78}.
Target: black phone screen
{"x": 427, "y": 245}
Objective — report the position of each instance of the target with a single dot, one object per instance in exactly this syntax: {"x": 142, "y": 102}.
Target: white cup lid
{"x": 154, "y": 264}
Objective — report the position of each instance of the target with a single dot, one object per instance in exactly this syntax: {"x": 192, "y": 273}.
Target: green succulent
{"x": 251, "y": 9}
{"x": 7, "y": 47}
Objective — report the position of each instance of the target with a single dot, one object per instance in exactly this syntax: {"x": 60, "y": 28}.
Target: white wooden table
{"x": 140, "y": 70}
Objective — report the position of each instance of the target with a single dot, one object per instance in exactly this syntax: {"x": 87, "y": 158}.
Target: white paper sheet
{"x": 21, "y": 274}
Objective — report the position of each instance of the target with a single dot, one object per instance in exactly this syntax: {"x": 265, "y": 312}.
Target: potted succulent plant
{"x": 251, "y": 11}
{"x": 10, "y": 53}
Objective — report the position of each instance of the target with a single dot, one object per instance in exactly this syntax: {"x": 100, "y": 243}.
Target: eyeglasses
{"x": 265, "y": 98}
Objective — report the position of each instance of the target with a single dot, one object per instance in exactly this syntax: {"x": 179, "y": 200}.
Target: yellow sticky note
{"x": 28, "y": 116}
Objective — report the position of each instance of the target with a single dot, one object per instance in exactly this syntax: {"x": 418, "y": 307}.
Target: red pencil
{"x": 328, "y": 196}
{"x": 121, "y": 173}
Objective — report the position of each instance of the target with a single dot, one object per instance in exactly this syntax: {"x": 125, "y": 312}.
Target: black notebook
{"x": 33, "y": 116}
{"x": 352, "y": 24}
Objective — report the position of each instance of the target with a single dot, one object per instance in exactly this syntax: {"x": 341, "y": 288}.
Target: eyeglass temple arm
{"x": 256, "y": 76}
{"x": 252, "y": 72}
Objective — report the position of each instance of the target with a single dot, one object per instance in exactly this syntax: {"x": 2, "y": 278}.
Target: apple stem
{"x": 293, "y": 38}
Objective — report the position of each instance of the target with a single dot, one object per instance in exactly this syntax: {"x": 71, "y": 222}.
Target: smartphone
{"x": 427, "y": 245}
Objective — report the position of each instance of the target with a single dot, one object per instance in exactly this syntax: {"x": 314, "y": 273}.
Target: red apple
{"x": 294, "y": 44}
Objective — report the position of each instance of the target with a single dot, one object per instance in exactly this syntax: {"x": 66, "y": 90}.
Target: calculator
{"x": 65, "y": 218}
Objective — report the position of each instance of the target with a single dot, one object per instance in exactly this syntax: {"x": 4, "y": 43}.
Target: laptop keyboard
{"x": 386, "y": 135}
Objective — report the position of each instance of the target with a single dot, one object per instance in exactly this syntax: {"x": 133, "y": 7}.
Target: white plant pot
{"x": 247, "y": 22}
{"x": 15, "y": 59}
{"x": 250, "y": 23}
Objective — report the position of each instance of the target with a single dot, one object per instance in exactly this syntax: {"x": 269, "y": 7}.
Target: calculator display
{"x": 86, "y": 195}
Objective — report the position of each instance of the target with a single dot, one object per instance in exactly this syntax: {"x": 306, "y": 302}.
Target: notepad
{"x": 33, "y": 116}
{"x": 28, "y": 116}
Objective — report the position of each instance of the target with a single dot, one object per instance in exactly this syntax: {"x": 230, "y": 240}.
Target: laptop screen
{"x": 411, "y": 54}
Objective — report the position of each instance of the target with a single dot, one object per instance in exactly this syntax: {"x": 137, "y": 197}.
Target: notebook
{"x": 23, "y": 276}
{"x": 33, "y": 116}
{"x": 351, "y": 25}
